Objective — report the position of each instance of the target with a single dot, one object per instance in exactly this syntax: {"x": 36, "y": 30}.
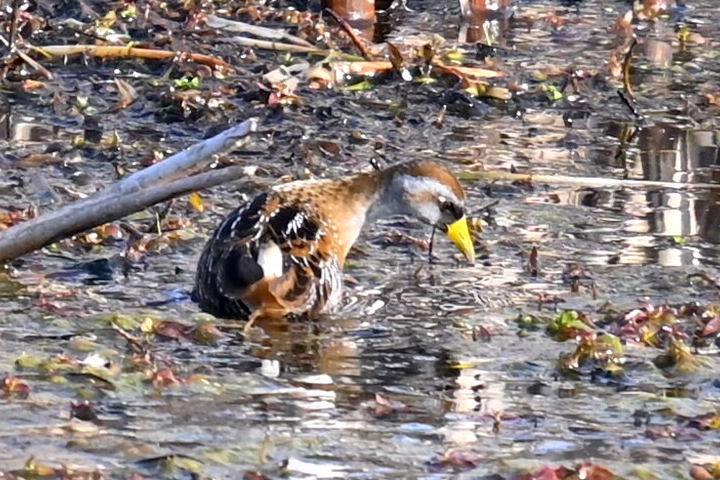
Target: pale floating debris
{"x": 95, "y": 360}
{"x": 376, "y": 305}
{"x": 316, "y": 406}
{"x": 269, "y": 368}
{"x": 304, "y": 393}
{"x": 320, "y": 379}
{"x": 250, "y": 170}
{"x": 318, "y": 470}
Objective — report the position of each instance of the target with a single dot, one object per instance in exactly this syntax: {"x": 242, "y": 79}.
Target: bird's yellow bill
{"x": 459, "y": 233}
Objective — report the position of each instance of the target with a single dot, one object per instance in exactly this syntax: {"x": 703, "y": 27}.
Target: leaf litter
{"x": 657, "y": 348}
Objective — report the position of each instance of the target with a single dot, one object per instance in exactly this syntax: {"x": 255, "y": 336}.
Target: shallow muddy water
{"x": 425, "y": 372}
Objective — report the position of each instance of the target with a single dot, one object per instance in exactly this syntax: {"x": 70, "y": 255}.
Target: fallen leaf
{"x": 12, "y": 386}
{"x": 196, "y": 201}
{"x": 456, "y": 460}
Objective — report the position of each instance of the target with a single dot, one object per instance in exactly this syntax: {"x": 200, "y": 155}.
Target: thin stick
{"x": 487, "y": 207}
{"x": 584, "y": 181}
{"x": 627, "y": 85}
{"x": 276, "y": 46}
{"x": 35, "y": 65}
{"x": 14, "y": 24}
{"x": 350, "y": 31}
{"x": 286, "y": 47}
{"x": 626, "y": 94}
{"x": 234, "y": 26}
{"x": 131, "y": 340}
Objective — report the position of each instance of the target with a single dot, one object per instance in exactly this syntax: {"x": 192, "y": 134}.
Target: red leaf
{"x": 712, "y": 327}
{"x": 164, "y": 378}
{"x": 170, "y": 329}
{"x": 551, "y": 473}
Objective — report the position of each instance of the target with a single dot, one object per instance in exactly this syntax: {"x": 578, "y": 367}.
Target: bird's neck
{"x": 357, "y": 200}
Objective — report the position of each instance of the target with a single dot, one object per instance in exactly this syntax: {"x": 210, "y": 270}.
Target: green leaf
{"x": 566, "y": 325}
{"x": 553, "y": 93}
{"x": 360, "y": 86}
{"x": 614, "y": 343}
{"x": 187, "y": 83}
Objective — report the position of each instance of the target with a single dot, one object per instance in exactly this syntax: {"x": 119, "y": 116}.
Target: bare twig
{"x": 583, "y": 181}
{"x": 35, "y": 65}
{"x": 627, "y": 84}
{"x": 487, "y": 207}
{"x": 132, "y": 341}
{"x": 14, "y": 24}
{"x": 464, "y": 73}
{"x": 276, "y": 46}
{"x": 287, "y": 47}
{"x": 350, "y": 31}
{"x": 626, "y": 94}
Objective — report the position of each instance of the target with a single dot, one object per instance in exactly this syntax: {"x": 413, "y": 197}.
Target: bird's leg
{"x": 430, "y": 247}
{"x": 251, "y": 320}
{"x": 265, "y": 314}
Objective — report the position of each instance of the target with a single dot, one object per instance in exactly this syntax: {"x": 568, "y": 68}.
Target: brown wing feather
{"x": 312, "y": 281}
{"x": 227, "y": 266}
{"x": 231, "y": 283}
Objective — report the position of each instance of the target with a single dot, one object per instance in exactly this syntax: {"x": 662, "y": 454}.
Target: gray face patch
{"x": 417, "y": 196}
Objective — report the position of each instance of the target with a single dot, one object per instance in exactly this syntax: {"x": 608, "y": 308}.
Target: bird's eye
{"x": 452, "y": 208}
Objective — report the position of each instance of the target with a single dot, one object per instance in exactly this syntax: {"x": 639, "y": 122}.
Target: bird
{"x": 282, "y": 253}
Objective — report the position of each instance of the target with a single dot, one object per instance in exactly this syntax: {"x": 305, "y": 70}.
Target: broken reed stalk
{"x": 15, "y": 15}
{"x": 583, "y": 181}
{"x": 147, "y": 187}
{"x": 234, "y": 26}
{"x": 277, "y": 46}
{"x": 286, "y": 47}
{"x": 129, "y": 51}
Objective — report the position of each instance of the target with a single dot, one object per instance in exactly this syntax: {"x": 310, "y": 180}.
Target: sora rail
{"x": 283, "y": 252}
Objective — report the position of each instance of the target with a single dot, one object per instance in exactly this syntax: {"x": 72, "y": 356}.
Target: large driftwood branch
{"x": 140, "y": 190}
{"x": 186, "y": 162}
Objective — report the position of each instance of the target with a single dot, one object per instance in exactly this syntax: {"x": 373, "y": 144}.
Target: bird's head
{"x": 429, "y": 191}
